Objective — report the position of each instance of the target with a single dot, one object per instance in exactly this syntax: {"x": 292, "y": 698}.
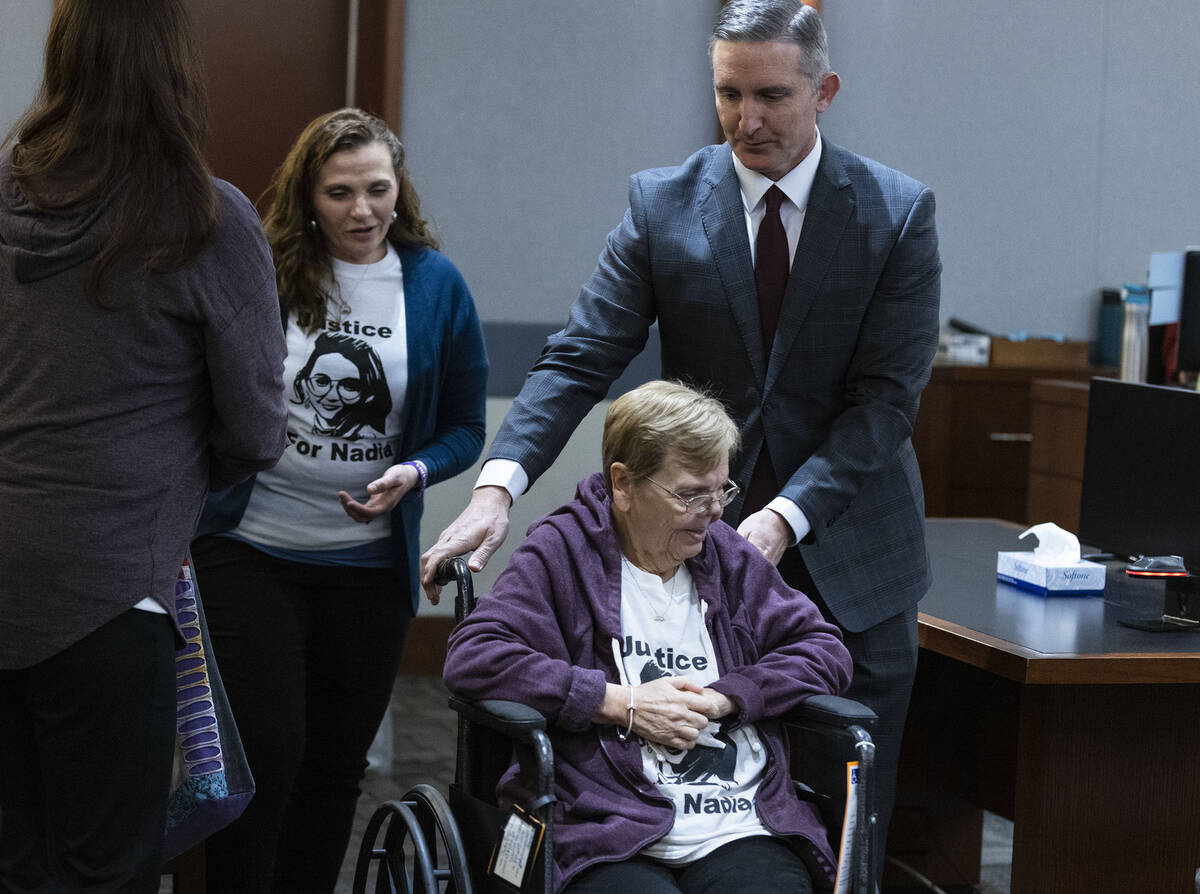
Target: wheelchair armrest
{"x": 833, "y": 711}
{"x": 512, "y": 719}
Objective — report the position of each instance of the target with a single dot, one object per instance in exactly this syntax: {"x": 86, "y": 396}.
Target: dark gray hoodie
{"x": 114, "y": 423}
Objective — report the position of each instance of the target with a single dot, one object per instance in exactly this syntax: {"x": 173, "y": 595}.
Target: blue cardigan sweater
{"x": 444, "y": 403}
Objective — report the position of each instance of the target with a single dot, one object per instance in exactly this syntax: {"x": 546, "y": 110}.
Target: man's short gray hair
{"x": 757, "y": 21}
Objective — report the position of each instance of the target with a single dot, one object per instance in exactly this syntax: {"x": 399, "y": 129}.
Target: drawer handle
{"x": 1011, "y": 436}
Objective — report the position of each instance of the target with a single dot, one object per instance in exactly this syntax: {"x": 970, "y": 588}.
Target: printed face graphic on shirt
{"x": 344, "y": 385}
{"x": 703, "y": 764}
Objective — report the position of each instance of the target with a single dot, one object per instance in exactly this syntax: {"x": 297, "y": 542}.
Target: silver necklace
{"x": 343, "y": 300}
{"x": 658, "y": 615}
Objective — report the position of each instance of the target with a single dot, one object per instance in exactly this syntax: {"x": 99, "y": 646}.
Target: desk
{"x": 1085, "y": 733}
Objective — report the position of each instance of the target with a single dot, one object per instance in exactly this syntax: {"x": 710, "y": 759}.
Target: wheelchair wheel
{"x": 405, "y": 865}
{"x": 441, "y": 832}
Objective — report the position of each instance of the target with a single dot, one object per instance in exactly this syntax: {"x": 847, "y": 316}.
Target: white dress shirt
{"x": 796, "y": 185}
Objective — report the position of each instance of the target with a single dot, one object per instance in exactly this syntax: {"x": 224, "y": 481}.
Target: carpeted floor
{"x": 423, "y": 744}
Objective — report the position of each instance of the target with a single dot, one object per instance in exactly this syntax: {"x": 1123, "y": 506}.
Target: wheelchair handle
{"x": 455, "y": 569}
{"x": 452, "y": 569}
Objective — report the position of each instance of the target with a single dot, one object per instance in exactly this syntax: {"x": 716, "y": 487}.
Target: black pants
{"x": 885, "y": 665}
{"x": 86, "y": 745}
{"x": 308, "y": 655}
{"x": 746, "y": 866}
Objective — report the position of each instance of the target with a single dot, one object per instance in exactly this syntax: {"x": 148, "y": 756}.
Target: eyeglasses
{"x": 702, "y": 503}
{"x": 349, "y": 389}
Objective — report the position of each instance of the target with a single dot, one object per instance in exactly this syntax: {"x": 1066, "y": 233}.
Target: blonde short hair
{"x": 644, "y": 425}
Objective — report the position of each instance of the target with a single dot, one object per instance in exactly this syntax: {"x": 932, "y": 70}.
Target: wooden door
{"x": 274, "y": 65}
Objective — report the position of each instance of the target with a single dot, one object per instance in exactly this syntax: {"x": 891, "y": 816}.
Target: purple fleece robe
{"x": 543, "y": 636}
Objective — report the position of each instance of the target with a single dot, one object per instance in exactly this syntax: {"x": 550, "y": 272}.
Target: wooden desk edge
{"x": 1024, "y": 665}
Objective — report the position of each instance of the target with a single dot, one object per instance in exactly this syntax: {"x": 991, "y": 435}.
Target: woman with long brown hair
{"x": 140, "y": 365}
{"x": 310, "y": 583}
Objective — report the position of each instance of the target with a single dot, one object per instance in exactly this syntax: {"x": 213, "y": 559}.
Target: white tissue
{"x": 1054, "y": 568}
{"x": 1055, "y": 546}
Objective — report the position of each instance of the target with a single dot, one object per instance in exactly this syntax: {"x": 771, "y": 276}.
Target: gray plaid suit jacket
{"x": 836, "y": 398}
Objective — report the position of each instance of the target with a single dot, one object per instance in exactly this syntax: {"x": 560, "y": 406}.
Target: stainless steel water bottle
{"x": 1135, "y": 333}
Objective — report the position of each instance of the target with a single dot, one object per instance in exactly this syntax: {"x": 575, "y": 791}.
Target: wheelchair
{"x": 422, "y": 843}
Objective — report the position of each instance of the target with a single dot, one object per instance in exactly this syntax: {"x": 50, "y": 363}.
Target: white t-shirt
{"x": 345, "y": 386}
{"x": 713, "y": 786}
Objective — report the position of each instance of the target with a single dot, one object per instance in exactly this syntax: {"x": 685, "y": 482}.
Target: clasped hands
{"x": 672, "y": 711}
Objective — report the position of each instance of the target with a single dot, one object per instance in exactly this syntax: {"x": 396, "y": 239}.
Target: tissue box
{"x": 1025, "y": 570}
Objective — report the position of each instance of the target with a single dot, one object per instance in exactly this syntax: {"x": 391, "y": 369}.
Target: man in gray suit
{"x": 799, "y": 284}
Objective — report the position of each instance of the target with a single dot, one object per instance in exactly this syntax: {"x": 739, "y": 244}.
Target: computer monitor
{"x": 1141, "y": 471}
{"x": 1187, "y": 357}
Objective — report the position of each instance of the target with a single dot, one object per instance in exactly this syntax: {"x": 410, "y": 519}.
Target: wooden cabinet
{"x": 1059, "y": 426}
{"x": 974, "y": 439}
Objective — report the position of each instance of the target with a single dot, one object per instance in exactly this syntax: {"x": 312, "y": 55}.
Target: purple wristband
{"x": 422, "y": 473}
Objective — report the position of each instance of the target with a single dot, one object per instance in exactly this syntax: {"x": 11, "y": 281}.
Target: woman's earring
{"x": 312, "y": 224}
{"x": 394, "y": 216}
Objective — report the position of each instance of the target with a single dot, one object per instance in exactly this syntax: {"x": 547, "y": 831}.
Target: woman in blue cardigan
{"x": 309, "y": 572}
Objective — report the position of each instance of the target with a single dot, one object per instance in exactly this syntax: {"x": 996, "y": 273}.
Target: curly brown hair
{"x": 303, "y": 268}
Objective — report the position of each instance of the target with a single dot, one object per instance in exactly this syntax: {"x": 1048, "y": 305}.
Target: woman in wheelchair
{"x": 662, "y": 648}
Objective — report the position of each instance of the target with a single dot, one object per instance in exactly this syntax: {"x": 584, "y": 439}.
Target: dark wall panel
{"x": 272, "y": 66}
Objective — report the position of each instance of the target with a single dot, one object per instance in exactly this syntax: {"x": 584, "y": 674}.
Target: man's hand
{"x": 481, "y": 527}
{"x": 768, "y": 532}
{"x": 382, "y": 494}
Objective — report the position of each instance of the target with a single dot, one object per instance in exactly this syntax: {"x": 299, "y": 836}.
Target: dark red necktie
{"x": 770, "y": 280}
{"x": 770, "y": 267}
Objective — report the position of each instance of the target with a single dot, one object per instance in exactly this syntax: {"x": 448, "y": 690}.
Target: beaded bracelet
{"x": 422, "y": 473}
